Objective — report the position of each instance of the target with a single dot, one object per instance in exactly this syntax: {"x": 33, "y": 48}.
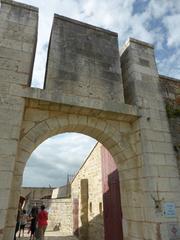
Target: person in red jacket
{"x": 42, "y": 222}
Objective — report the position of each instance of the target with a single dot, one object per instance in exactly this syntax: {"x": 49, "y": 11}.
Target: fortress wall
{"x": 18, "y": 35}
{"x": 159, "y": 177}
{"x": 83, "y": 60}
{"x": 36, "y": 192}
{"x": 170, "y": 89}
{"x": 84, "y": 67}
{"x": 60, "y": 214}
{"x": 92, "y": 172}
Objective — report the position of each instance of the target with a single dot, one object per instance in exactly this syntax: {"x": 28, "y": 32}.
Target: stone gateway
{"x": 92, "y": 89}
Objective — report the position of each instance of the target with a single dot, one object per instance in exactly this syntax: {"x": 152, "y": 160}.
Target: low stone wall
{"x": 36, "y": 192}
{"x": 60, "y": 212}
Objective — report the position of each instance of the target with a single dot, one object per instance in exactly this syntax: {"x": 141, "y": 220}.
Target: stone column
{"x": 84, "y": 210}
{"x": 158, "y": 173}
{"x": 18, "y": 31}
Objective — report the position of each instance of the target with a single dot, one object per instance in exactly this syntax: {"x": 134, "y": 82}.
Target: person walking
{"x": 23, "y": 222}
{"x": 17, "y": 224}
{"x": 33, "y": 218}
{"x": 42, "y": 222}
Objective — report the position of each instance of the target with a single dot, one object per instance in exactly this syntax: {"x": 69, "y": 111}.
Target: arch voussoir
{"x": 37, "y": 131}
{"x": 52, "y": 123}
{"x": 100, "y": 129}
{"x": 26, "y": 144}
{"x": 62, "y": 121}
{"x": 72, "y": 119}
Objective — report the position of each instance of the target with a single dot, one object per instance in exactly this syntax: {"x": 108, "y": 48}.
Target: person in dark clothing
{"x": 17, "y": 224}
{"x": 23, "y": 221}
{"x": 33, "y": 217}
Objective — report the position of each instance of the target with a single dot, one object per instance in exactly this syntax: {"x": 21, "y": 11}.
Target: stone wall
{"x": 18, "y": 35}
{"x": 60, "y": 214}
{"x": 157, "y": 181}
{"x": 136, "y": 133}
{"x": 36, "y": 193}
{"x": 92, "y": 172}
{"x": 62, "y": 191}
{"x": 171, "y": 92}
{"x": 170, "y": 89}
{"x": 84, "y": 60}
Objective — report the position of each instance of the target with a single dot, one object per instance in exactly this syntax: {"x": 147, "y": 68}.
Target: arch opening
{"x": 116, "y": 142}
{"x": 97, "y": 197}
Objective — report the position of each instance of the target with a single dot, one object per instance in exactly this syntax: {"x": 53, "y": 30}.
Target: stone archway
{"x": 114, "y": 135}
{"x": 88, "y": 89}
{"x": 102, "y": 130}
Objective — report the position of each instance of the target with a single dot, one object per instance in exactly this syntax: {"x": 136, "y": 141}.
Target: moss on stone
{"x": 172, "y": 111}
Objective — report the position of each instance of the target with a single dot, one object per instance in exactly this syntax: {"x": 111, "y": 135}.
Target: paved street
{"x": 51, "y": 236}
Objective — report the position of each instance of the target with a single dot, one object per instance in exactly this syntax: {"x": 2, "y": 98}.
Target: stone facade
{"x": 171, "y": 92}
{"x": 92, "y": 172}
{"x": 131, "y": 122}
{"x": 87, "y": 180}
{"x": 18, "y": 34}
{"x": 89, "y": 66}
{"x": 60, "y": 216}
{"x": 157, "y": 175}
{"x": 62, "y": 192}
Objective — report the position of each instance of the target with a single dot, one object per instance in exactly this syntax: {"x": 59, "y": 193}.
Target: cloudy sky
{"x": 55, "y": 158}
{"x": 153, "y": 21}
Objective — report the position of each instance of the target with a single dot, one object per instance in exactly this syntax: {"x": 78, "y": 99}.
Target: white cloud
{"x": 172, "y": 25}
{"x": 165, "y": 65}
{"x": 159, "y": 8}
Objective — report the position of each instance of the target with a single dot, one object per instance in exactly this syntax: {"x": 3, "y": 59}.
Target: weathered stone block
{"x": 93, "y": 55}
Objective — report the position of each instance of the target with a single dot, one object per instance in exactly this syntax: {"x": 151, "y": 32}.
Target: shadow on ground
{"x": 52, "y": 238}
